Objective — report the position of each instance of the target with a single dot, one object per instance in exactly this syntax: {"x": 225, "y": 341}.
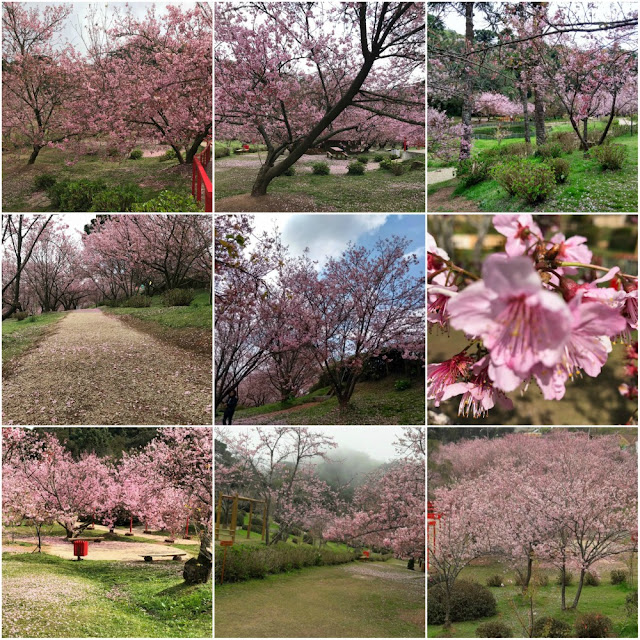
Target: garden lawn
{"x": 594, "y": 401}
{"x": 607, "y": 599}
{"x": 372, "y": 403}
{"x": 376, "y": 190}
{"x": 45, "y": 596}
{"x": 377, "y": 600}
{"x": 20, "y": 335}
{"x": 150, "y": 174}
{"x": 587, "y": 189}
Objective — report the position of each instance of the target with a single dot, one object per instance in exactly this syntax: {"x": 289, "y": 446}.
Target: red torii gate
{"x": 432, "y": 518}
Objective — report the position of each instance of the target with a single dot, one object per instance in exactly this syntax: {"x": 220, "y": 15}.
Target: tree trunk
{"x": 538, "y": 115}
{"x": 585, "y": 132}
{"x": 529, "y": 571}
{"x": 563, "y": 574}
{"x": 577, "y": 598}
{"x": 467, "y": 106}
{"x": 34, "y": 153}
{"x": 193, "y": 149}
{"x": 525, "y": 113}
{"x": 262, "y": 180}
{"x": 606, "y": 129}
{"x": 198, "y": 570}
{"x": 447, "y": 607}
{"x": 178, "y": 154}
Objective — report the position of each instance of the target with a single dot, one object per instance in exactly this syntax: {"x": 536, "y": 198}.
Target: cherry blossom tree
{"x": 294, "y": 75}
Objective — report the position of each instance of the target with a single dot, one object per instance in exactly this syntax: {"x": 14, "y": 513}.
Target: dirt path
{"x": 96, "y": 370}
{"x": 443, "y": 200}
{"x": 265, "y": 418}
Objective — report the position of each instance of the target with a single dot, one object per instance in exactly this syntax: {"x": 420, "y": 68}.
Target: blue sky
{"x": 328, "y": 234}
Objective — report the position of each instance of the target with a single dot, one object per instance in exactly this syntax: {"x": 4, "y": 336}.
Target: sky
{"x": 375, "y": 441}
{"x": 76, "y": 221}
{"x": 71, "y": 32}
{"x": 328, "y": 235}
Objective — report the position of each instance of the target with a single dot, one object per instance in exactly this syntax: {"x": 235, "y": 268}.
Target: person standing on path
{"x": 232, "y": 403}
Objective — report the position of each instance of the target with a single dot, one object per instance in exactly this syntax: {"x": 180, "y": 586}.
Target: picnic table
{"x": 336, "y": 151}
{"x": 173, "y": 556}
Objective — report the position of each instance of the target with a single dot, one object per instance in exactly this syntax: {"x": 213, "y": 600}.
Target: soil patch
{"x": 276, "y": 203}
{"x": 443, "y": 200}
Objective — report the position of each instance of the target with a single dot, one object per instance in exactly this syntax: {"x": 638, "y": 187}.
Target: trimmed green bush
{"x": 117, "y": 198}
{"x": 137, "y": 301}
{"x": 379, "y": 157}
{"x": 495, "y": 581}
{"x": 469, "y": 601}
{"x": 170, "y": 154}
{"x": 609, "y": 156}
{"x": 591, "y": 579}
{"x": 178, "y": 297}
{"x": 291, "y": 171}
{"x": 534, "y": 182}
{"x": 560, "y": 168}
{"x": 355, "y": 168}
{"x": 135, "y": 154}
{"x": 219, "y": 152}
{"x": 44, "y": 181}
{"x": 592, "y": 625}
{"x": 248, "y": 561}
{"x": 568, "y": 578}
{"x": 169, "y": 201}
{"x": 618, "y": 576}
{"x": 495, "y": 629}
{"x": 547, "y": 627}
{"x": 20, "y": 315}
{"x": 520, "y": 149}
{"x": 472, "y": 171}
{"x": 320, "y": 168}
{"x": 387, "y": 163}
{"x": 76, "y": 195}
{"x": 402, "y": 385}
{"x": 506, "y": 173}
{"x": 549, "y": 150}
{"x": 363, "y": 159}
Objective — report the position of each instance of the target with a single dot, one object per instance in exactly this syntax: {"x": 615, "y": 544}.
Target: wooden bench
{"x": 173, "y": 556}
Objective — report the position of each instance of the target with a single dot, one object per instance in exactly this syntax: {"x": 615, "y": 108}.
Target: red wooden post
{"x": 186, "y": 531}
{"x": 130, "y": 527}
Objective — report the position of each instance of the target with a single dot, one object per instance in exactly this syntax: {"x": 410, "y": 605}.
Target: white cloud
{"x": 420, "y": 253}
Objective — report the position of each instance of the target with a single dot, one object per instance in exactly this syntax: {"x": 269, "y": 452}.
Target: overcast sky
{"x": 375, "y": 441}
{"x": 328, "y": 235}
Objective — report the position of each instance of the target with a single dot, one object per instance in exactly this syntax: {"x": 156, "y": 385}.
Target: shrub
{"x": 379, "y": 157}
{"x": 355, "y": 168}
{"x": 560, "y": 168}
{"x": 618, "y": 576}
{"x": 116, "y": 198}
{"x": 136, "y": 154}
{"x": 169, "y": 201}
{"x": 247, "y": 561}
{"x": 75, "y": 195}
{"x": 178, "y": 298}
{"x": 547, "y": 627}
{"x": 109, "y": 303}
{"x": 469, "y": 601}
{"x": 320, "y": 168}
{"x": 549, "y": 150}
{"x": 401, "y": 385}
{"x": 609, "y": 156}
{"x": 631, "y": 604}
{"x": 44, "y": 181}
{"x": 541, "y": 580}
{"x": 20, "y": 315}
{"x": 566, "y": 139}
{"x": 219, "y": 152}
{"x": 495, "y": 629}
{"x": 591, "y": 579}
{"x": 137, "y": 301}
{"x": 495, "y": 581}
{"x": 568, "y": 578}
{"x": 434, "y": 578}
{"x": 617, "y": 130}
{"x": 592, "y": 625}
{"x": 411, "y": 564}
{"x": 534, "y": 182}
{"x": 520, "y": 149}
{"x": 113, "y": 152}
{"x": 506, "y": 173}
{"x": 397, "y": 169}
{"x": 416, "y": 165}
{"x": 472, "y": 171}
{"x": 170, "y": 154}
{"x": 363, "y": 159}
{"x": 291, "y": 171}
{"x": 387, "y": 163}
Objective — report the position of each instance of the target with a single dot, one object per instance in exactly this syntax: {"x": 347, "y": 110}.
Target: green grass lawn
{"x": 331, "y": 601}
{"x": 150, "y": 174}
{"x": 594, "y": 401}
{"x": 588, "y": 188}
{"x": 607, "y": 599}
{"x": 46, "y": 596}
{"x": 371, "y": 403}
{"x": 374, "y": 191}
{"x": 20, "y": 335}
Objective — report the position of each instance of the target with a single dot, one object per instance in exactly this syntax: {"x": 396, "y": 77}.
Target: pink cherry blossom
{"x": 520, "y": 230}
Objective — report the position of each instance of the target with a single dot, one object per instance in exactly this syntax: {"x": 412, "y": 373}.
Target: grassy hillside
{"x": 372, "y": 403}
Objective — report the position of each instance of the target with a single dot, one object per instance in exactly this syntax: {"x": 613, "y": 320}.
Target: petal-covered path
{"x": 96, "y": 370}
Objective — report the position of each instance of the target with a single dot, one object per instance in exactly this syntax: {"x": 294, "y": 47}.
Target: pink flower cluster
{"x": 525, "y": 317}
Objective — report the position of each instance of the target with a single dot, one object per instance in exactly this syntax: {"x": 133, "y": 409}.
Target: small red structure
{"x": 432, "y": 518}
{"x": 365, "y": 554}
{"x": 80, "y": 548}
{"x": 199, "y": 178}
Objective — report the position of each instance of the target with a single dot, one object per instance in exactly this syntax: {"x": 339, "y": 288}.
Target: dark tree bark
{"x": 34, "y": 154}
{"x": 198, "y": 570}
{"x": 525, "y": 113}
{"x": 577, "y": 598}
{"x": 538, "y": 115}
